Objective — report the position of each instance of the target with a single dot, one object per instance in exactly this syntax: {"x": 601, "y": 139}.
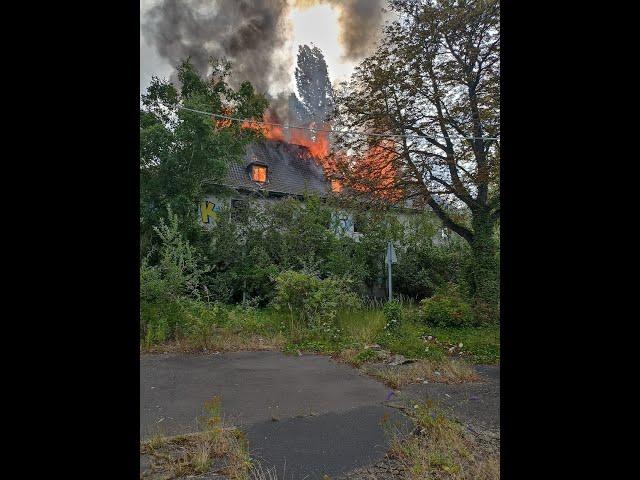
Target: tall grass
{"x": 364, "y": 326}
{"x": 196, "y": 326}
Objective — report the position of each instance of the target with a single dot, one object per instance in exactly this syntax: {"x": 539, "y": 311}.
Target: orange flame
{"x": 374, "y": 172}
{"x": 224, "y": 122}
{"x": 316, "y": 142}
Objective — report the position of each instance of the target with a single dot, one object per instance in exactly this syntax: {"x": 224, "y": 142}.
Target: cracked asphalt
{"x": 307, "y": 416}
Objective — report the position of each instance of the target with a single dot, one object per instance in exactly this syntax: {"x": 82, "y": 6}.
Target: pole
{"x": 389, "y": 266}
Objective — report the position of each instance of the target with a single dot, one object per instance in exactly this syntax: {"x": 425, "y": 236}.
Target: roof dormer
{"x": 258, "y": 171}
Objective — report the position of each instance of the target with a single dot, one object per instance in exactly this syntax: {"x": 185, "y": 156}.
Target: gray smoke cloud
{"x": 251, "y": 34}
{"x": 249, "y": 31}
{"x": 359, "y": 23}
{"x": 243, "y": 31}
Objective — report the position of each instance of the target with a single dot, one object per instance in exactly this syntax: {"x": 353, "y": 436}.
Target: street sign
{"x": 391, "y": 253}
{"x": 390, "y": 258}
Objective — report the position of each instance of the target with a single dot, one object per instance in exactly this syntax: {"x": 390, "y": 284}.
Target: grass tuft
{"x": 441, "y": 449}
{"x": 194, "y": 454}
{"x": 441, "y": 371}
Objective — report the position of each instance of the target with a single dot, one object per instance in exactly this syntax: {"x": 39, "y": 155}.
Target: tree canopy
{"x": 434, "y": 83}
{"x": 183, "y": 153}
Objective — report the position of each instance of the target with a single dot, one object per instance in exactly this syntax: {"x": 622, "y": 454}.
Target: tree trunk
{"x": 486, "y": 268}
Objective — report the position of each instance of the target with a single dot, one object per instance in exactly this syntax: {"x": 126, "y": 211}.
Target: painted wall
{"x": 210, "y": 209}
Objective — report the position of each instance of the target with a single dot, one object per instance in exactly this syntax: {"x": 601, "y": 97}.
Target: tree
{"x": 314, "y": 86}
{"x": 434, "y": 82}
{"x": 182, "y": 153}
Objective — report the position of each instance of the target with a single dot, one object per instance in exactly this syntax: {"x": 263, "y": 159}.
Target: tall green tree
{"x": 314, "y": 86}
{"x": 183, "y": 153}
{"x": 434, "y": 82}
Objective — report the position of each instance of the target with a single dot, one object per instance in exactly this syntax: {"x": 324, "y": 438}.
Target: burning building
{"x": 273, "y": 169}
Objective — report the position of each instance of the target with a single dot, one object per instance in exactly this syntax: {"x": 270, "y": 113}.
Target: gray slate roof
{"x": 291, "y": 169}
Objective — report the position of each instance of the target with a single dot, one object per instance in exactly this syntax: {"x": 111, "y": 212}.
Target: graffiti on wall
{"x": 342, "y": 223}
{"x": 209, "y": 212}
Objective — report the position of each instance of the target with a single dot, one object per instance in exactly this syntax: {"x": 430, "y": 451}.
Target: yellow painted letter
{"x": 206, "y": 211}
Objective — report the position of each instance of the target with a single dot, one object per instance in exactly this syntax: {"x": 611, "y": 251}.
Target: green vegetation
{"x": 195, "y": 453}
{"x": 393, "y": 315}
{"x": 481, "y": 343}
{"x": 441, "y": 448}
{"x": 182, "y": 154}
{"x": 447, "y": 308}
{"x": 307, "y": 313}
{"x": 278, "y": 275}
{"x": 412, "y": 82}
{"x": 312, "y": 300}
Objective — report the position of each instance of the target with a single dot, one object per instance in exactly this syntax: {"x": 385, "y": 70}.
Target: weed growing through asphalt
{"x": 442, "y": 371}
{"x": 196, "y": 453}
{"x": 439, "y": 448}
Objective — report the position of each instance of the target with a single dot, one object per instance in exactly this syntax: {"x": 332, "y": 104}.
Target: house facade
{"x": 271, "y": 170}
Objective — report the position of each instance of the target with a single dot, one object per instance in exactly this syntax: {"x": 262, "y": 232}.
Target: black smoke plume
{"x": 251, "y": 34}
{"x": 244, "y": 31}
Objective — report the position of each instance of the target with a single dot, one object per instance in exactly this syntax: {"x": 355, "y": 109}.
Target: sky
{"x": 316, "y": 24}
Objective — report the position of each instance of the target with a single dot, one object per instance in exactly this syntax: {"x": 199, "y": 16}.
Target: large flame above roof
{"x": 316, "y": 141}
{"x": 373, "y": 173}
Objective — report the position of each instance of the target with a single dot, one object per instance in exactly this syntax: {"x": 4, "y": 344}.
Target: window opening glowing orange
{"x": 259, "y": 174}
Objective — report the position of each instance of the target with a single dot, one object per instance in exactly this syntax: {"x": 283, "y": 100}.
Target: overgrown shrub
{"x": 447, "y": 308}
{"x": 407, "y": 341}
{"x": 428, "y": 261}
{"x": 485, "y": 314}
{"x": 393, "y": 315}
{"x": 165, "y": 288}
{"x": 202, "y": 319}
{"x": 180, "y": 264}
{"x": 161, "y": 321}
{"x": 313, "y": 300}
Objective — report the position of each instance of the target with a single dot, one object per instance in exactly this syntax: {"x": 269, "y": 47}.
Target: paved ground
{"x": 307, "y": 416}
{"x": 474, "y": 404}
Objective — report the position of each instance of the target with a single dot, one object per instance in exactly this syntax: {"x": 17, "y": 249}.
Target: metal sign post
{"x": 390, "y": 258}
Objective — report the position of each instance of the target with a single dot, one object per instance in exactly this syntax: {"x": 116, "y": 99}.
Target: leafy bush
{"x": 313, "y": 300}
{"x": 165, "y": 287}
{"x": 365, "y": 355}
{"x": 393, "y": 315}
{"x": 161, "y": 321}
{"x": 428, "y": 260}
{"x": 407, "y": 340}
{"x": 201, "y": 320}
{"x": 447, "y": 308}
{"x": 485, "y": 313}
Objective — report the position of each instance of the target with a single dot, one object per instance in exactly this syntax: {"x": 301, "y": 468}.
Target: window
{"x": 237, "y": 203}
{"x": 238, "y": 207}
{"x": 336, "y": 186}
{"x": 259, "y": 173}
